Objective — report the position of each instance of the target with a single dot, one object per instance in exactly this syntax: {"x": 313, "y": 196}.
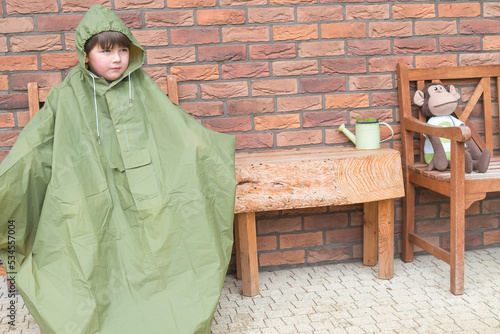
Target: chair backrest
{"x": 475, "y": 87}
{"x": 38, "y": 95}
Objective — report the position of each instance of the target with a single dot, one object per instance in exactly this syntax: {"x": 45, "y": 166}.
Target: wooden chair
{"x": 462, "y": 189}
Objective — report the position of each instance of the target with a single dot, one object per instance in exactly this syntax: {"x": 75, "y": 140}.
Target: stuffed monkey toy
{"x": 438, "y": 104}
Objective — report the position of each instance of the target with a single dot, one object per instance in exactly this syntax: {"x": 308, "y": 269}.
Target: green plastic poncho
{"x": 129, "y": 234}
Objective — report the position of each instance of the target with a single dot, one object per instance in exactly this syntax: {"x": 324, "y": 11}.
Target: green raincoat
{"x": 131, "y": 233}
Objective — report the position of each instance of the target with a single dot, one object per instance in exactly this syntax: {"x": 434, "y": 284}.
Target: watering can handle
{"x": 392, "y": 131}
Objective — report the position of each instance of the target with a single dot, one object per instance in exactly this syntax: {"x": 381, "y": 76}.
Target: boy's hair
{"x": 107, "y": 40}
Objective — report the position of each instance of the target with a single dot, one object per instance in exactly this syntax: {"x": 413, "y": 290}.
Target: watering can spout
{"x": 348, "y": 133}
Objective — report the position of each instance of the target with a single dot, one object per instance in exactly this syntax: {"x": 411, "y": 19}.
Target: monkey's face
{"x": 441, "y": 102}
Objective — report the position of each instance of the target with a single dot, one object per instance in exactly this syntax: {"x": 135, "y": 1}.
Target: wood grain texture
{"x": 316, "y": 177}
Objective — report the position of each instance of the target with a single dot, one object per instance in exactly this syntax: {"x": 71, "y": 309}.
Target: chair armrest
{"x": 456, "y": 133}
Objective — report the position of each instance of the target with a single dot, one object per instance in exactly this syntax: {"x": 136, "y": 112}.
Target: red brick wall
{"x": 277, "y": 74}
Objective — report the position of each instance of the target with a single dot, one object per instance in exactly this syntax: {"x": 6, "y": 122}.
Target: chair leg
{"x": 408, "y": 222}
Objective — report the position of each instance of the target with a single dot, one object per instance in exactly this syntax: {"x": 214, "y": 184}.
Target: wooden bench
{"x": 308, "y": 178}
{"x": 474, "y": 83}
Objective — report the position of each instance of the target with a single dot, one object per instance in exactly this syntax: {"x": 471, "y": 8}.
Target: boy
{"x": 122, "y": 203}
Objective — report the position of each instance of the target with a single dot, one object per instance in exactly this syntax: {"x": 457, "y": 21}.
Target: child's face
{"x": 108, "y": 63}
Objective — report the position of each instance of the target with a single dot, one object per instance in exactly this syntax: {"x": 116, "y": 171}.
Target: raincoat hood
{"x": 99, "y": 19}
{"x": 129, "y": 233}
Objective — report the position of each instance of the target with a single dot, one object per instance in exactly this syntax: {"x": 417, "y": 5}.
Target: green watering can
{"x": 367, "y": 134}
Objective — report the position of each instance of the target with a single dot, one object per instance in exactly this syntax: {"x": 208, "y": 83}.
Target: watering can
{"x": 367, "y": 134}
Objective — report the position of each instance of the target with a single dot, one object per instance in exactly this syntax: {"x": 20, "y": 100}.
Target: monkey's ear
{"x": 418, "y": 99}
{"x": 454, "y": 92}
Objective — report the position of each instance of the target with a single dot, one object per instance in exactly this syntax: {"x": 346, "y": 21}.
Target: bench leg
{"x": 246, "y": 256}
{"x": 378, "y": 234}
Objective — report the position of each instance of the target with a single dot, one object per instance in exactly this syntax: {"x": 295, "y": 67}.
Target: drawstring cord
{"x": 95, "y": 106}
{"x": 129, "y": 90}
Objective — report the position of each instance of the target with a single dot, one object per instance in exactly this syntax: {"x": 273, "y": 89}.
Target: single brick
{"x": 298, "y": 138}
{"x": 341, "y": 101}
{"x": 246, "y": 70}
{"x": 20, "y": 81}
{"x": 270, "y": 15}
{"x": 459, "y": 10}
{"x": 427, "y": 45}
{"x": 155, "y": 37}
{"x": 478, "y": 27}
{"x": 195, "y": 73}
{"x": 274, "y": 87}
{"x": 31, "y": 7}
{"x": 307, "y": 102}
{"x": 35, "y": 43}
{"x": 59, "y": 61}
{"x": 147, "y": 4}
{"x": 188, "y": 92}
{"x": 245, "y": 34}
{"x": 332, "y": 136}
{"x": 220, "y": 17}
{"x": 288, "y": 121}
{"x": 323, "y": 118}
{"x": 3, "y": 44}
{"x": 280, "y": 225}
{"x": 388, "y": 64}
{"x": 491, "y": 9}
{"x": 301, "y": 240}
{"x": 391, "y": 29}
{"x": 7, "y": 120}
{"x": 12, "y": 25}
{"x": 328, "y": 221}
{"x": 370, "y": 82}
{"x": 81, "y": 6}
{"x": 368, "y": 47}
{"x": 479, "y": 59}
{"x": 8, "y": 138}
{"x": 253, "y": 141}
{"x": 418, "y": 11}
{"x": 385, "y": 99}
{"x": 347, "y": 235}
{"x": 491, "y": 43}
{"x": 4, "y": 82}
{"x": 457, "y": 44}
{"x": 431, "y": 27}
{"x": 226, "y": 125}
{"x": 18, "y": 63}
{"x": 436, "y": 61}
{"x": 367, "y": 12}
{"x": 321, "y": 49}
{"x": 171, "y": 55}
{"x": 180, "y": 18}
{"x": 131, "y": 20}
{"x": 272, "y": 51}
{"x": 250, "y": 106}
{"x": 490, "y": 206}
{"x": 222, "y": 53}
{"x": 319, "y": 14}
{"x": 471, "y": 240}
{"x": 204, "y": 109}
{"x": 23, "y": 117}
{"x": 190, "y": 3}
{"x": 295, "y": 67}
{"x": 322, "y": 85}
{"x": 224, "y": 90}
{"x": 490, "y": 237}
{"x": 346, "y": 66}
{"x": 432, "y": 226}
{"x": 185, "y": 36}
{"x": 63, "y": 22}
{"x": 156, "y": 73}
{"x": 267, "y": 243}
{"x": 328, "y": 254}
{"x": 281, "y": 258}
{"x": 343, "y": 30}
{"x": 291, "y": 2}
{"x": 69, "y": 41}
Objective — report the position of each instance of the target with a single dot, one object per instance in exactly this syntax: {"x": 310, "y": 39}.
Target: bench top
{"x": 315, "y": 177}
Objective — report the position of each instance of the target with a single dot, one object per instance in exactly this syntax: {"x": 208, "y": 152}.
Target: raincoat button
{"x": 118, "y": 130}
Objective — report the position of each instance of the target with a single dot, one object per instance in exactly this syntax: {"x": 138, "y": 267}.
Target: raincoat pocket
{"x": 134, "y": 177}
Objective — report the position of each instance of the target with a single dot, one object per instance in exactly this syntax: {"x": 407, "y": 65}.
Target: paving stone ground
{"x": 348, "y": 298}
